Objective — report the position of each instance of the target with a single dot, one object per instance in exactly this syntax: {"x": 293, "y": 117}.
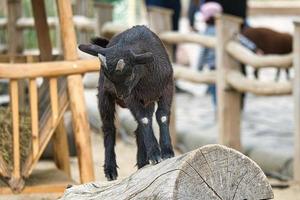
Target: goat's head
{"x": 122, "y": 67}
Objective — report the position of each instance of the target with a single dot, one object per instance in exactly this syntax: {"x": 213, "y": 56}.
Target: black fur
{"x": 147, "y": 78}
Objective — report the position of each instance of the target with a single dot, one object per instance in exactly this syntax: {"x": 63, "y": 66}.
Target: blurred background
{"x": 267, "y": 126}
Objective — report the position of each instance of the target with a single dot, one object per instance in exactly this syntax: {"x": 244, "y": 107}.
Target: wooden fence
{"x": 230, "y": 82}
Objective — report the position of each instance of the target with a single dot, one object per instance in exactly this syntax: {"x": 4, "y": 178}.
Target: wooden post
{"x": 15, "y": 43}
{"x": 16, "y": 182}
{"x": 81, "y": 8}
{"x": 229, "y": 100}
{"x": 296, "y": 49}
{"x": 34, "y": 117}
{"x": 160, "y": 19}
{"x": 103, "y": 14}
{"x": 210, "y": 172}
{"x": 61, "y": 150}
{"x": 75, "y": 88}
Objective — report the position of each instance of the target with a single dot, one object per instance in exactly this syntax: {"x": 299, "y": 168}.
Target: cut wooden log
{"x": 210, "y": 172}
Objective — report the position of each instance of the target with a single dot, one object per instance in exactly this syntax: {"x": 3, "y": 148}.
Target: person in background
{"x": 194, "y": 6}
{"x": 207, "y": 57}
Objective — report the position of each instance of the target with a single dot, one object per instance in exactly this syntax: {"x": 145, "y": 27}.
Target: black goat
{"x": 135, "y": 73}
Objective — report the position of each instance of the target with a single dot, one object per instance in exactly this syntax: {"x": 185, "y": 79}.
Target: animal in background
{"x": 270, "y": 42}
{"x": 135, "y": 73}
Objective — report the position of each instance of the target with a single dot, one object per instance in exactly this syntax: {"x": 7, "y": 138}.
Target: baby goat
{"x": 270, "y": 42}
{"x": 135, "y": 73}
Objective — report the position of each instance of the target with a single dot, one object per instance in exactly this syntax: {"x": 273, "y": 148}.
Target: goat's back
{"x": 270, "y": 41}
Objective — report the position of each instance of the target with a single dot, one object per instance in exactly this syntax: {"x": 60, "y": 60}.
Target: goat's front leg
{"x": 145, "y": 135}
{"x": 107, "y": 112}
{"x": 163, "y": 113}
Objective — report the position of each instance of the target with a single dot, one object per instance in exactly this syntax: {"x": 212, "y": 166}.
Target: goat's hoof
{"x": 154, "y": 159}
{"x": 111, "y": 173}
{"x": 167, "y": 153}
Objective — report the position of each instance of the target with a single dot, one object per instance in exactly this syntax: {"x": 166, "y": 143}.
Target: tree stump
{"x": 210, "y": 172}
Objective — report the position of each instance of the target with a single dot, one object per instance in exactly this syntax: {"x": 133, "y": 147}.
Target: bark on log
{"x": 211, "y": 172}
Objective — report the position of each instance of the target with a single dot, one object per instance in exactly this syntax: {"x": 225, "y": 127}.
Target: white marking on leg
{"x": 145, "y": 120}
{"x": 163, "y": 119}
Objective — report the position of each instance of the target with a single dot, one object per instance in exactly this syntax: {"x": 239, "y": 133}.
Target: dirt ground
{"x": 126, "y": 155}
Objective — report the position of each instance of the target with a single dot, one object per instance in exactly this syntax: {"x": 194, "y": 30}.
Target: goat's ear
{"x": 143, "y": 58}
{"x": 102, "y": 42}
{"x": 92, "y": 49}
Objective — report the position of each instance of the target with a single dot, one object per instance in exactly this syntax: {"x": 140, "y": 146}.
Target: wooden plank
{"x": 244, "y": 55}
{"x": 172, "y": 125}
{"x": 54, "y": 99}
{"x": 45, "y": 47}
{"x": 296, "y": 94}
{"x": 15, "y": 182}
{"x": 160, "y": 19}
{"x": 42, "y": 29}
{"x": 48, "y": 69}
{"x": 16, "y": 134}
{"x": 174, "y": 37}
{"x": 277, "y": 8}
{"x": 46, "y": 132}
{"x": 34, "y": 116}
{"x": 26, "y": 58}
{"x": 61, "y": 149}
{"x": 42, "y": 181}
{"x": 268, "y": 88}
{"x": 229, "y": 100}
{"x": 75, "y": 88}
{"x": 190, "y": 75}
{"x": 15, "y": 43}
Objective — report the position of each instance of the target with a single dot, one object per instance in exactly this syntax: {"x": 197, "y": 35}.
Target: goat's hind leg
{"x": 107, "y": 112}
{"x": 163, "y": 113}
{"x": 143, "y": 116}
{"x": 141, "y": 149}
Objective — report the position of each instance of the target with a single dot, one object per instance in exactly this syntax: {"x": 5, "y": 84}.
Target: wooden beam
{"x": 15, "y": 43}
{"x": 271, "y": 88}
{"x": 229, "y": 100}
{"x": 16, "y": 182}
{"x": 160, "y": 19}
{"x": 46, "y": 132}
{"x": 173, "y": 37}
{"x": 61, "y": 150}
{"x": 42, "y": 29}
{"x": 274, "y": 7}
{"x": 187, "y": 74}
{"x": 210, "y": 172}
{"x": 54, "y": 99}
{"x": 296, "y": 93}
{"x": 244, "y": 55}
{"x": 34, "y": 116}
{"x": 48, "y": 69}
{"x": 75, "y": 88}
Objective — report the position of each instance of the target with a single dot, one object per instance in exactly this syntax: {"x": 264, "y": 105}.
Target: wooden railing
{"x": 42, "y": 127}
